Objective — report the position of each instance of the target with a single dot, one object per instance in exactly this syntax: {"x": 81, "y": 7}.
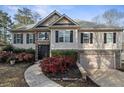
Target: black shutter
{"x": 81, "y": 37}
{"x": 27, "y": 39}
{"x": 91, "y": 38}
{"x": 33, "y": 38}
{"x": 14, "y": 39}
{"x": 105, "y": 38}
{"x": 114, "y": 37}
{"x": 56, "y": 34}
{"x": 21, "y": 38}
{"x": 71, "y": 36}
{"x": 46, "y": 36}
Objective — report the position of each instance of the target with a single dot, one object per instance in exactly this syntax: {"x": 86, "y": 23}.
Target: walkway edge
{"x": 35, "y": 78}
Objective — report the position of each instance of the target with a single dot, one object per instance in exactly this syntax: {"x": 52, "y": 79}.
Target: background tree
{"x": 36, "y": 17}
{"x": 5, "y": 25}
{"x": 110, "y": 17}
{"x": 25, "y": 16}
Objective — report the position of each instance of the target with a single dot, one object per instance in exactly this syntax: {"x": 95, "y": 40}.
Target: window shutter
{"x": 14, "y": 39}
{"x": 27, "y": 40}
{"x": 46, "y": 36}
{"x": 81, "y": 37}
{"x": 21, "y": 38}
{"x": 91, "y": 38}
{"x": 114, "y": 37}
{"x": 105, "y": 39}
{"x": 71, "y": 36}
{"x": 56, "y": 34}
{"x": 33, "y": 38}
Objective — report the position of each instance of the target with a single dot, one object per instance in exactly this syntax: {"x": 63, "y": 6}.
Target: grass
{"x": 13, "y": 76}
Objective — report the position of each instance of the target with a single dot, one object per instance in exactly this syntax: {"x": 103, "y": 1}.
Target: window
{"x": 109, "y": 37}
{"x": 18, "y": 38}
{"x": 43, "y": 35}
{"x": 64, "y": 36}
{"x": 30, "y": 38}
{"x": 86, "y": 37}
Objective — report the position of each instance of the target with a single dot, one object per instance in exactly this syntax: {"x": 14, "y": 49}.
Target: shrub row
{"x": 59, "y": 53}
{"x": 10, "y": 48}
{"x": 18, "y": 57}
{"x": 56, "y": 65}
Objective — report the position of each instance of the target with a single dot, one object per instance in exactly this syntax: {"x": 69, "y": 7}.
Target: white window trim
{"x": 16, "y": 39}
{"x": 64, "y": 40}
{"x": 109, "y": 37}
{"x": 41, "y": 38}
{"x": 88, "y": 37}
{"x": 31, "y": 37}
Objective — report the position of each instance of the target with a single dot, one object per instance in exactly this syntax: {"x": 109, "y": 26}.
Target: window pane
{"x": 67, "y": 36}
{"x": 61, "y": 36}
{"x": 67, "y": 39}
{"x": 86, "y": 37}
{"x": 64, "y": 36}
{"x": 43, "y": 35}
{"x": 31, "y": 38}
{"x": 18, "y": 38}
{"x": 109, "y": 37}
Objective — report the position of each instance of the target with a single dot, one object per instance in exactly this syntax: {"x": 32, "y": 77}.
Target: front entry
{"x": 43, "y": 51}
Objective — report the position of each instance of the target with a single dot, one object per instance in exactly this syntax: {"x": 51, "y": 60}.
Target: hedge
{"x": 57, "y": 53}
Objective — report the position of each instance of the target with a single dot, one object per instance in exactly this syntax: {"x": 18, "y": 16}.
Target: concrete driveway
{"x": 107, "y": 78}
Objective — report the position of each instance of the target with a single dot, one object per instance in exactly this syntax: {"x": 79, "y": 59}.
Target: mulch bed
{"x": 71, "y": 78}
{"x": 13, "y": 76}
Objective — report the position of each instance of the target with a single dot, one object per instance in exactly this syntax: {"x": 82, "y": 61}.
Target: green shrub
{"x": 18, "y": 50}
{"x": 57, "y": 53}
{"x": 8, "y": 48}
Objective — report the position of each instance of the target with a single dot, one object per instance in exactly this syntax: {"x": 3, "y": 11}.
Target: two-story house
{"x": 98, "y": 47}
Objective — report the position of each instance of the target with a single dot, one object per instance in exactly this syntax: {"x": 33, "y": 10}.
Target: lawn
{"x": 13, "y": 76}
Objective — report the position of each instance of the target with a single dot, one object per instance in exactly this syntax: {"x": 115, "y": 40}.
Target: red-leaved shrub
{"x": 4, "y": 56}
{"x": 21, "y": 57}
{"x": 57, "y": 64}
{"x": 25, "y": 57}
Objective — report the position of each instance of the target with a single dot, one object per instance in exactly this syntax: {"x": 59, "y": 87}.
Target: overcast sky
{"x": 82, "y": 12}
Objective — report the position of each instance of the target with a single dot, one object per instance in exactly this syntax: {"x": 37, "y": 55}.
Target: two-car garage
{"x": 95, "y": 60}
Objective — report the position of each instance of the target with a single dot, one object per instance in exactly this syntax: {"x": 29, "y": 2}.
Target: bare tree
{"x": 110, "y": 17}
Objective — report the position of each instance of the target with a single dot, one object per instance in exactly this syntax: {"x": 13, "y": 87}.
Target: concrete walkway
{"x": 107, "y": 78}
{"x": 35, "y": 78}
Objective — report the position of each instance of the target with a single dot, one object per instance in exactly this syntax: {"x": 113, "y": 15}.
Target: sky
{"x": 82, "y": 12}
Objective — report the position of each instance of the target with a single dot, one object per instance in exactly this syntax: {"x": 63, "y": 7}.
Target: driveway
{"x": 107, "y": 78}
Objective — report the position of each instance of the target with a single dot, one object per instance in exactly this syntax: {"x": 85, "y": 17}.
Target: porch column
{"x": 36, "y": 46}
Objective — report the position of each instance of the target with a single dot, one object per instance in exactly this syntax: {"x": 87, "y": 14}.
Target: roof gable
{"x": 49, "y": 19}
{"x": 64, "y": 20}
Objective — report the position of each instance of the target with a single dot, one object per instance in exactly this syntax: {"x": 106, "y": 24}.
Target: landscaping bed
{"x": 71, "y": 78}
{"x": 13, "y": 76}
{"x": 62, "y": 68}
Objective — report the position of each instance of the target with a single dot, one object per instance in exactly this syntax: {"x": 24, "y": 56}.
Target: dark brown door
{"x": 43, "y": 51}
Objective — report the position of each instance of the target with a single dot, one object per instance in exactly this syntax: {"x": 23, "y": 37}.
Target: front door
{"x": 43, "y": 51}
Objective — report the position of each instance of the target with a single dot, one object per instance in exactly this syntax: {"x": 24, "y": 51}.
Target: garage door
{"x": 93, "y": 61}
